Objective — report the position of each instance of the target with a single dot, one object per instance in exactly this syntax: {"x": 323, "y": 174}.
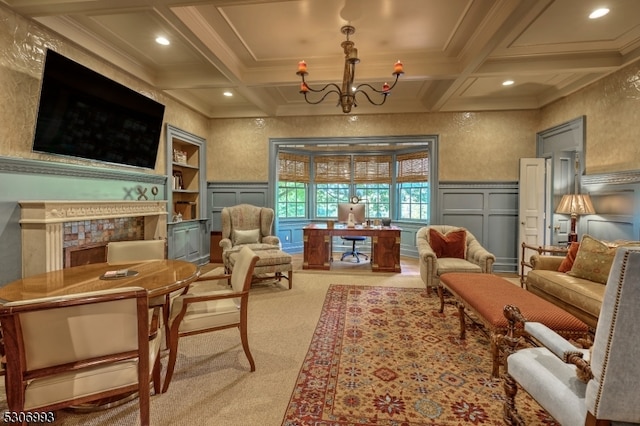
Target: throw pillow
{"x": 250, "y": 236}
{"x": 567, "y": 263}
{"x": 451, "y": 244}
{"x": 593, "y": 260}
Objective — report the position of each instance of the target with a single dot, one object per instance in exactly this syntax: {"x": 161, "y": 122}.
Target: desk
{"x": 158, "y": 277}
{"x": 385, "y": 245}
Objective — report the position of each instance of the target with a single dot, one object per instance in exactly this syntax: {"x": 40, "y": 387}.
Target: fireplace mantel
{"x": 42, "y": 226}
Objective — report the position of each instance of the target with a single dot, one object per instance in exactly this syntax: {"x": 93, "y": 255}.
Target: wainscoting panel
{"x": 489, "y": 211}
{"x": 226, "y": 194}
{"x": 616, "y": 200}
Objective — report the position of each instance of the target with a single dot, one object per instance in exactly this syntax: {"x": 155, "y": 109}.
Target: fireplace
{"x": 42, "y": 225}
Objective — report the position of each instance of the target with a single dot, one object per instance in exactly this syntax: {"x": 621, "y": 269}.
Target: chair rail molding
{"x": 38, "y": 167}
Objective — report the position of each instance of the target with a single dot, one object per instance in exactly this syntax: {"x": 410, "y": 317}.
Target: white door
{"x": 531, "y": 209}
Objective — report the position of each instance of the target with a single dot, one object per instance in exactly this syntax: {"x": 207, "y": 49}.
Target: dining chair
{"x": 135, "y": 251}
{"x": 71, "y": 350}
{"x": 201, "y": 310}
{"x": 122, "y": 252}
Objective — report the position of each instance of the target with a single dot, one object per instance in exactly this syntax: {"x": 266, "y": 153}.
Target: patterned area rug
{"x": 385, "y": 356}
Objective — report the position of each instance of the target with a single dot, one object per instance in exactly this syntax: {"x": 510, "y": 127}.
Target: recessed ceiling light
{"x": 162, "y": 40}
{"x": 598, "y": 13}
{"x": 227, "y": 94}
{"x": 508, "y": 82}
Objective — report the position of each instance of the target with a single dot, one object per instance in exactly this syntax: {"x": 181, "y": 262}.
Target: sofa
{"x": 575, "y": 282}
{"x": 580, "y": 297}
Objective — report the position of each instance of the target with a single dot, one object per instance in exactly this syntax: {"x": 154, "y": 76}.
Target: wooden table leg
{"x": 463, "y": 329}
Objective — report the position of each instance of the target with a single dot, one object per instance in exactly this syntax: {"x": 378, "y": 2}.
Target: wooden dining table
{"x": 158, "y": 277}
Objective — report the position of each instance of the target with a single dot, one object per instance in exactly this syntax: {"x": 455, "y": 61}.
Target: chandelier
{"x": 347, "y": 93}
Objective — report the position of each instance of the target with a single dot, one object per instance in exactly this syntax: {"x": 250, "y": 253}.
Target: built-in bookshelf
{"x": 187, "y": 233}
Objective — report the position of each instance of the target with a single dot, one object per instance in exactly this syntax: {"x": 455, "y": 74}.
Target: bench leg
{"x": 463, "y": 329}
{"x": 290, "y": 275}
{"x": 496, "y": 342}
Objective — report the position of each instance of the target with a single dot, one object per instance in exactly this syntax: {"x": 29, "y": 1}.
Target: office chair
{"x": 354, "y": 252}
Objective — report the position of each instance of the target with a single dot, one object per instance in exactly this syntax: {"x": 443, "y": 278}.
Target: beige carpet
{"x": 212, "y": 384}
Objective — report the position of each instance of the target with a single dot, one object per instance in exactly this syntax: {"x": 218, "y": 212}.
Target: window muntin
{"x": 414, "y": 201}
{"x": 328, "y": 196}
{"x": 292, "y": 200}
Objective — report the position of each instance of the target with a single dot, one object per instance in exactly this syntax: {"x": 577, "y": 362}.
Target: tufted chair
{"x": 475, "y": 257}
{"x": 71, "y": 350}
{"x": 577, "y": 386}
{"x": 246, "y": 225}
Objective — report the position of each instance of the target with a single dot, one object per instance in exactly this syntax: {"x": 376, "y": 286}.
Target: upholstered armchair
{"x": 205, "y": 309}
{"x": 246, "y": 225}
{"x": 444, "y": 248}
{"x": 577, "y": 386}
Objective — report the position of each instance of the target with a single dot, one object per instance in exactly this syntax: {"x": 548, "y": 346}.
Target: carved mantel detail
{"x": 42, "y": 224}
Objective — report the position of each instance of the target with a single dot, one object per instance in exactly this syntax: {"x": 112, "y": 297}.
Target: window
{"x": 293, "y": 179}
{"x": 414, "y": 201}
{"x": 391, "y": 175}
{"x": 292, "y": 199}
{"x": 413, "y": 185}
{"x": 377, "y": 197}
{"x": 328, "y": 196}
{"x": 332, "y": 175}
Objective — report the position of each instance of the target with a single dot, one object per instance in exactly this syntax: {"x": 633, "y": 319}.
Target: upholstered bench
{"x": 272, "y": 261}
{"x": 485, "y": 295}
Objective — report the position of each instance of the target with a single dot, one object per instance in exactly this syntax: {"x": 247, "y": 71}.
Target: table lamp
{"x": 574, "y": 205}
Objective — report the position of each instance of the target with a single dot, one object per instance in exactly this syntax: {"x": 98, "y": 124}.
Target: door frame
{"x": 551, "y": 144}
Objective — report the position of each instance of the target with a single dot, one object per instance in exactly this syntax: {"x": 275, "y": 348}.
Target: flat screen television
{"x": 87, "y": 115}
{"x": 358, "y": 211}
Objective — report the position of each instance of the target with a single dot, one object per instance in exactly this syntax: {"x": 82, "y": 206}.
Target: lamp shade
{"x": 578, "y": 204}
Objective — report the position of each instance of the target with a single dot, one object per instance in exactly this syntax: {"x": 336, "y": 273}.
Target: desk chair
{"x": 354, "y": 252}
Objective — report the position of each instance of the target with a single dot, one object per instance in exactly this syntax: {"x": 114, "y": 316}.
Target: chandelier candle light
{"x": 347, "y": 93}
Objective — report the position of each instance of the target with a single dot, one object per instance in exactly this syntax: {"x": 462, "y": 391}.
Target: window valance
{"x": 293, "y": 167}
{"x": 372, "y": 169}
{"x": 332, "y": 169}
{"x": 413, "y": 167}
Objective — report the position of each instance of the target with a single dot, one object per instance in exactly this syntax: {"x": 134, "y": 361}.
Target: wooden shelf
{"x": 188, "y": 239}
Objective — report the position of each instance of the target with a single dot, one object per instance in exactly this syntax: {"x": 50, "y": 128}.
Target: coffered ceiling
{"x": 456, "y": 53}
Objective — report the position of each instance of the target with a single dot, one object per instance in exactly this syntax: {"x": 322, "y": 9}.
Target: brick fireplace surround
{"x": 42, "y": 226}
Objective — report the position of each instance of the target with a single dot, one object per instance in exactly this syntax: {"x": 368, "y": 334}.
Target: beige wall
{"x": 612, "y": 110}
{"x": 23, "y": 43}
{"x": 496, "y": 139}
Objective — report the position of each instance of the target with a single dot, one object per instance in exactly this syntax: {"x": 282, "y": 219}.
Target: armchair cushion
{"x": 451, "y": 244}
{"x": 250, "y": 236}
